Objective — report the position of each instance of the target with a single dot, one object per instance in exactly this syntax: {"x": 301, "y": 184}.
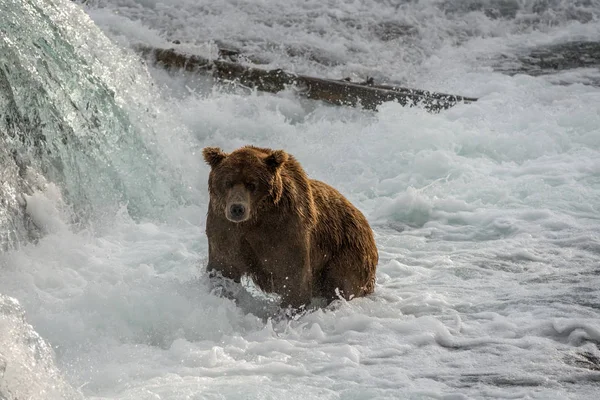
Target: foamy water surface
{"x": 486, "y": 216}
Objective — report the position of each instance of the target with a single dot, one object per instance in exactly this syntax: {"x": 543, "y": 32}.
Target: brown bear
{"x": 294, "y": 236}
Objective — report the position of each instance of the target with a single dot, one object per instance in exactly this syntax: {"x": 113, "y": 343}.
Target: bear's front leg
{"x": 285, "y": 269}
{"x": 221, "y": 269}
{"x": 297, "y": 297}
{"x": 296, "y": 285}
{"x": 227, "y": 262}
{"x": 222, "y": 261}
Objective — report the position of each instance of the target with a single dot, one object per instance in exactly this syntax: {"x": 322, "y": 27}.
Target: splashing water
{"x": 64, "y": 115}
{"x": 26, "y": 366}
{"x": 485, "y": 215}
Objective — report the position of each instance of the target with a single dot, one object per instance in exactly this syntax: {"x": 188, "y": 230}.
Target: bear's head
{"x": 243, "y": 182}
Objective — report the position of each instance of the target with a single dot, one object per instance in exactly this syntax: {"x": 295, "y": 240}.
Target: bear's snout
{"x": 237, "y": 208}
{"x": 237, "y": 213}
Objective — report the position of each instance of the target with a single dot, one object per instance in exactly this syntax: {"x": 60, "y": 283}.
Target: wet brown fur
{"x": 302, "y": 238}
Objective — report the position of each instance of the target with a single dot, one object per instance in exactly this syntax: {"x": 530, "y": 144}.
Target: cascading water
{"x": 64, "y": 119}
{"x": 485, "y": 215}
{"x": 74, "y": 148}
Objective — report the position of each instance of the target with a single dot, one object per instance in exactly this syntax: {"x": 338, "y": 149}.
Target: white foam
{"x": 27, "y": 367}
{"x": 485, "y": 217}
{"x": 47, "y": 209}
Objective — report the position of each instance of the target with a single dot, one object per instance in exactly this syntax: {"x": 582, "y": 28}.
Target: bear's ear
{"x": 213, "y": 156}
{"x": 276, "y": 159}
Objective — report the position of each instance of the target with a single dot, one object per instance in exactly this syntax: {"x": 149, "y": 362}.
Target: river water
{"x": 486, "y": 215}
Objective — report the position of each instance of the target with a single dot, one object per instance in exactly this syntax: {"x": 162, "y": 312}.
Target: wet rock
{"x": 493, "y": 9}
{"x": 561, "y": 57}
{"x": 551, "y": 59}
{"x": 339, "y": 92}
{"x": 392, "y": 30}
{"x": 586, "y": 360}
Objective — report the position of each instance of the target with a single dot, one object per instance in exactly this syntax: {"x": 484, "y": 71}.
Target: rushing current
{"x": 486, "y": 215}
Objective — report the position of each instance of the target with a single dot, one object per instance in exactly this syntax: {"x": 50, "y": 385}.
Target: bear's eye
{"x": 251, "y": 187}
{"x": 228, "y": 184}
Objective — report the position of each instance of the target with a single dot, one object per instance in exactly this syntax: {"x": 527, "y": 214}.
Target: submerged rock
{"x": 585, "y": 360}
{"x": 551, "y": 59}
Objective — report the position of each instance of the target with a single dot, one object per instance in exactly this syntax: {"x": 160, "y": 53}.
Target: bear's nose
{"x": 237, "y": 211}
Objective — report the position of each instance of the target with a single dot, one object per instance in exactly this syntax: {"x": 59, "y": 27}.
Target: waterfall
{"x": 72, "y": 115}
